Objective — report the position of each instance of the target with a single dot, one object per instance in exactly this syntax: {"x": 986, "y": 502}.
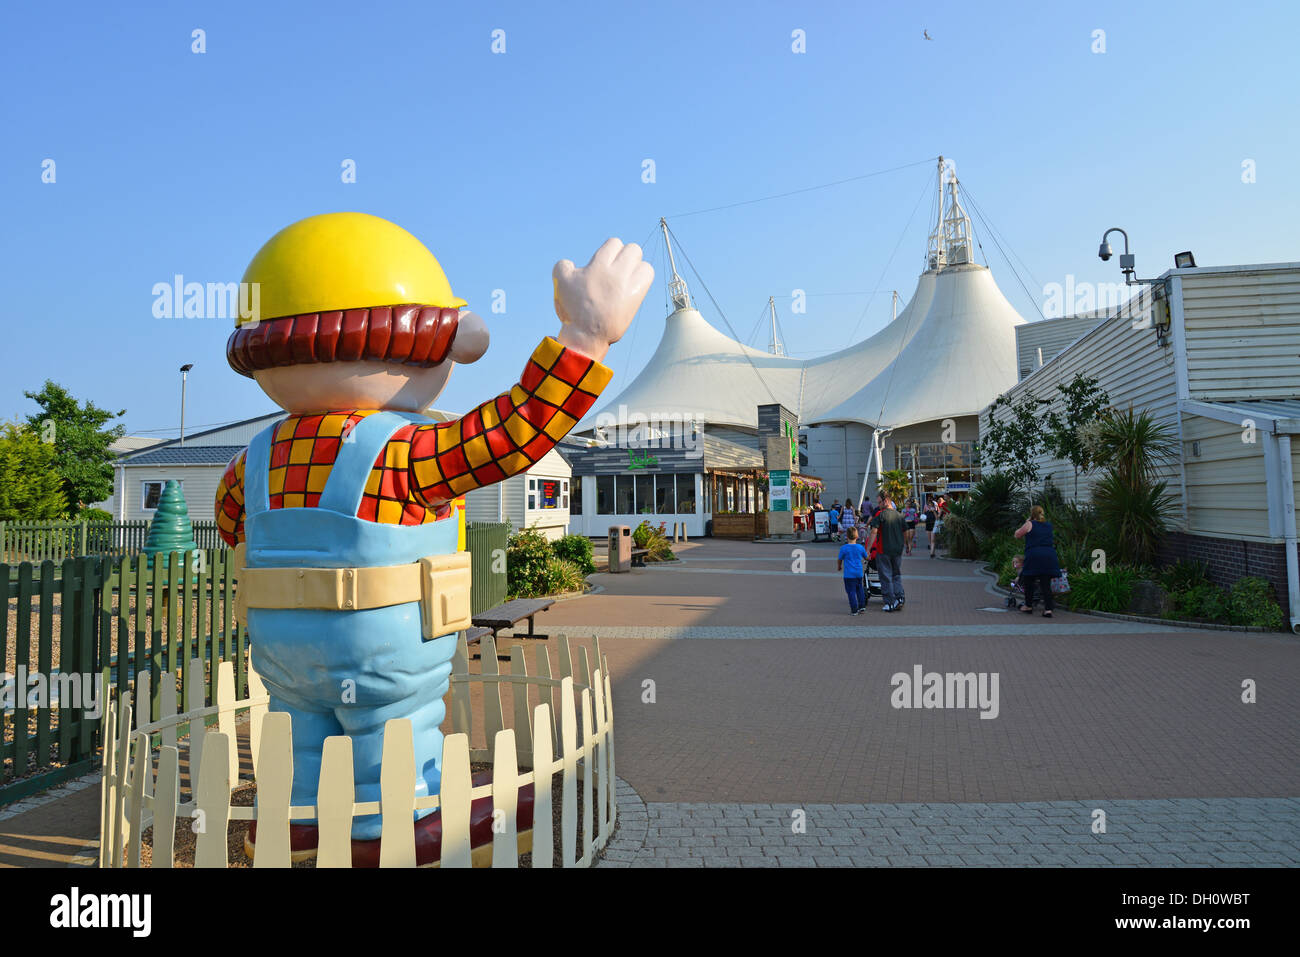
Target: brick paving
{"x": 794, "y": 711}
{"x": 1143, "y": 721}
{"x": 1234, "y": 832}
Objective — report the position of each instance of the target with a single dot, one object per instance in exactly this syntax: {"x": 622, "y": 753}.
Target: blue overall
{"x": 347, "y": 672}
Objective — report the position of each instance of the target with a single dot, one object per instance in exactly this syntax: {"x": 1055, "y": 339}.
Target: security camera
{"x": 1104, "y": 252}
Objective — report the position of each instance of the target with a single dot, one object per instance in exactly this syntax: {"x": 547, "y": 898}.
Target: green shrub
{"x": 1183, "y": 575}
{"x": 1135, "y": 517}
{"x": 1252, "y": 602}
{"x": 93, "y": 515}
{"x": 1075, "y": 534}
{"x": 562, "y": 576}
{"x": 532, "y": 568}
{"x": 997, "y": 548}
{"x": 1111, "y": 590}
{"x": 1205, "y": 600}
{"x": 575, "y": 549}
{"x": 995, "y": 508}
{"x": 655, "y": 540}
{"x": 1006, "y": 571}
{"x": 959, "y": 534}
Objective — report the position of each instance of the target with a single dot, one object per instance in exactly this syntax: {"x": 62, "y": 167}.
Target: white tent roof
{"x": 699, "y": 372}
{"x": 950, "y": 352}
{"x": 961, "y": 357}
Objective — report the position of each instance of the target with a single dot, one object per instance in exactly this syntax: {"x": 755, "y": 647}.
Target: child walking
{"x": 851, "y": 562}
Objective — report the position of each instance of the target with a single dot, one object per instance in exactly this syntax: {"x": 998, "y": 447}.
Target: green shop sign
{"x": 641, "y": 460}
{"x": 778, "y": 490}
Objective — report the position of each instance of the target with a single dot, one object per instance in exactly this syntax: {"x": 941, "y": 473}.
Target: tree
{"x": 1083, "y": 403}
{"x": 30, "y": 486}
{"x": 896, "y": 483}
{"x": 1131, "y": 499}
{"x": 1011, "y": 444}
{"x": 81, "y": 443}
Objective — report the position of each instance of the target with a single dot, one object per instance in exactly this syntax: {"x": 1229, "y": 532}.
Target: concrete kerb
{"x": 627, "y": 842}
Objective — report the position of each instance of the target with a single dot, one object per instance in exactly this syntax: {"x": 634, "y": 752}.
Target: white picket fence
{"x": 136, "y": 793}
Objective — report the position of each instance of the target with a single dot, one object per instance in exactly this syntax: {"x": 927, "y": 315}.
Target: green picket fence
{"x": 114, "y": 619}
{"x": 119, "y": 617}
{"x": 488, "y": 585}
{"x": 56, "y": 541}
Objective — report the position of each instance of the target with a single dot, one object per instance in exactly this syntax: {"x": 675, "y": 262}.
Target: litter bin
{"x": 620, "y": 548}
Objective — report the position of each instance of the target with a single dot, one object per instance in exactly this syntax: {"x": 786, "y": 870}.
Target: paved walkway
{"x": 1245, "y": 832}
{"x": 723, "y": 739}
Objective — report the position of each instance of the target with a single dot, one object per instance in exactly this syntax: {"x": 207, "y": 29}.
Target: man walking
{"x": 889, "y": 526}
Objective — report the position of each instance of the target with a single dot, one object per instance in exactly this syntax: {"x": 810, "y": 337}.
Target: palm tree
{"x": 1132, "y": 445}
{"x": 897, "y": 484}
{"x": 1131, "y": 500}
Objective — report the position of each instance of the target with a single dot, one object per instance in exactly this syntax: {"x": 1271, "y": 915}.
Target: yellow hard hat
{"x": 339, "y": 261}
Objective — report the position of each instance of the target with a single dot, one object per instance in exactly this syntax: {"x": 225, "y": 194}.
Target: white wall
{"x": 593, "y": 525}
{"x": 1131, "y": 367}
{"x": 1227, "y": 485}
{"x": 199, "y": 485}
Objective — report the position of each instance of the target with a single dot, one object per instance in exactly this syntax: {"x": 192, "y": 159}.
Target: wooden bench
{"x": 638, "y": 557}
{"x": 507, "y": 616}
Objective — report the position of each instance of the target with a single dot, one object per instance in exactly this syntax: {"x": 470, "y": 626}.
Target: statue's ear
{"x": 471, "y": 338}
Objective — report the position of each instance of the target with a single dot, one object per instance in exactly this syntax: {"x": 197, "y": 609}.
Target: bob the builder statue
{"x": 352, "y": 588}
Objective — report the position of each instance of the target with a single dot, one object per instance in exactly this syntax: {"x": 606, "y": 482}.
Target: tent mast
{"x": 677, "y": 290}
{"x": 776, "y": 347}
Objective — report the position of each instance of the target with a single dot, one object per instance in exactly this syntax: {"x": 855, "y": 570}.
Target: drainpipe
{"x": 1289, "y": 530}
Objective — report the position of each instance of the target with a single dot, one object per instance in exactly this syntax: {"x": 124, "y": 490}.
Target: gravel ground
{"x": 11, "y": 639}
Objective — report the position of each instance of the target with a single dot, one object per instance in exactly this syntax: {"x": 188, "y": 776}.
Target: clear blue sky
{"x": 172, "y": 162}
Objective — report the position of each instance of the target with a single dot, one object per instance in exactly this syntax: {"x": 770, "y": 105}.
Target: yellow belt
{"x": 440, "y": 583}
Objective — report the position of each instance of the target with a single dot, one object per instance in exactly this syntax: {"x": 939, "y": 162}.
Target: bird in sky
{"x": 926, "y": 34}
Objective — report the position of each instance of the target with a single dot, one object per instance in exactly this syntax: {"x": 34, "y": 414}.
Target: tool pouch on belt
{"x": 440, "y": 583}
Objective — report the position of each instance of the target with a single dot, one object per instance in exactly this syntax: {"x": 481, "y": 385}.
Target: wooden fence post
{"x": 397, "y": 795}
{"x": 505, "y": 801}
{"x": 569, "y": 785}
{"x": 454, "y": 801}
{"x": 543, "y": 768}
{"x": 335, "y": 797}
{"x": 274, "y": 791}
{"x": 212, "y": 804}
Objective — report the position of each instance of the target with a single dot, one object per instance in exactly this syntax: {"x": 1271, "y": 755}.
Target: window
{"x": 564, "y": 493}
{"x": 151, "y": 492}
{"x": 605, "y": 495}
{"x": 623, "y": 496}
{"x": 548, "y": 493}
{"x": 665, "y": 495}
{"x": 645, "y": 494}
{"x": 575, "y": 506}
{"x": 686, "y": 493}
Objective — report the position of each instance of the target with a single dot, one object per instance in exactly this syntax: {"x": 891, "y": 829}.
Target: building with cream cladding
{"x": 1213, "y": 353}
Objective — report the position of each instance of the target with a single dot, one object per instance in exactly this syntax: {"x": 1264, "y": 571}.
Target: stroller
{"x": 1016, "y": 595}
{"x": 871, "y": 576}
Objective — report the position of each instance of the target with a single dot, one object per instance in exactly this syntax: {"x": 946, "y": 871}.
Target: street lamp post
{"x": 184, "y": 373}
